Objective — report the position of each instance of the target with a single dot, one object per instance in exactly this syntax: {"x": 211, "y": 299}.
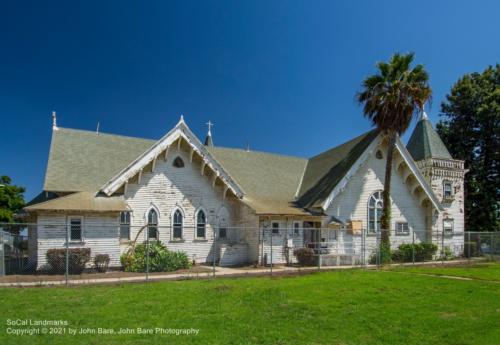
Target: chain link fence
{"x": 82, "y": 252}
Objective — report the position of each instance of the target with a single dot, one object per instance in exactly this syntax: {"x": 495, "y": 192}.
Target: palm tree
{"x": 390, "y": 99}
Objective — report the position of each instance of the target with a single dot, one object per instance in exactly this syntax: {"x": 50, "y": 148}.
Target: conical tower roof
{"x": 425, "y": 142}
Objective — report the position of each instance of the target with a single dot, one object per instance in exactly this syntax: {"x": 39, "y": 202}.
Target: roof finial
{"x": 209, "y": 124}
{"x": 54, "y": 121}
{"x": 208, "y": 139}
{"x": 424, "y": 115}
{"x": 97, "y": 129}
{"x": 248, "y": 146}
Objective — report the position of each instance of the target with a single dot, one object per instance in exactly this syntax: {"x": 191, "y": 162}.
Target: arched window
{"x": 375, "y": 206}
{"x": 178, "y": 162}
{"x": 152, "y": 224}
{"x": 177, "y": 225}
{"x": 201, "y": 224}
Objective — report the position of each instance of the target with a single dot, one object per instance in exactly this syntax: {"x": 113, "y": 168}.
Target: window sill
{"x": 200, "y": 240}
{"x": 125, "y": 241}
{"x": 402, "y": 233}
{"x": 179, "y": 240}
{"x": 76, "y": 243}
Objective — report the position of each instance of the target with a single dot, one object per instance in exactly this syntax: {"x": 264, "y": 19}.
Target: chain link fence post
{"x": 413, "y": 248}
{"x": 147, "y": 254}
{"x": 271, "y": 252}
{"x": 66, "y": 256}
{"x": 2, "y": 254}
{"x": 214, "y": 252}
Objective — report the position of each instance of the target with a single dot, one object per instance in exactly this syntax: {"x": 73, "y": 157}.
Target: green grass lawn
{"x": 341, "y": 307}
{"x": 483, "y": 271}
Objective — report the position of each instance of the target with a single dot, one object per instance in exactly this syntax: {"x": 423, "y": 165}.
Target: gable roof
{"x": 324, "y": 171}
{"x": 269, "y": 180}
{"x": 425, "y": 142}
{"x": 180, "y": 132}
{"x": 84, "y": 161}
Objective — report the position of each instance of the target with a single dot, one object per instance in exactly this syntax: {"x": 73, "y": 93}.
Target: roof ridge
{"x": 344, "y": 143}
{"x": 86, "y": 131}
{"x": 259, "y": 152}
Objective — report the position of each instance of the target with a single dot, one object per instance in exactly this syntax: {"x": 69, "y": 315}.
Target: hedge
{"x": 77, "y": 260}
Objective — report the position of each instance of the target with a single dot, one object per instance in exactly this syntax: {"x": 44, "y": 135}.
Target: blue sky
{"x": 281, "y": 75}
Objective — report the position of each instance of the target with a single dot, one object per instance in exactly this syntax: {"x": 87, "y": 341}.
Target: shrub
{"x": 470, "y": 249}
{"x": 160, "y": 259}
{"x": 101, "y": 262}
{"x": 77, "y": 259}
{"x": 406, "y": 252}
{"x": 305, "y": 256}
{"x": 382, "y": 255}
{"x": 447, "y": 254}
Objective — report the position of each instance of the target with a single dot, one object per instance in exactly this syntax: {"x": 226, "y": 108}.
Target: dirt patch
{"x": 26, "y": 278}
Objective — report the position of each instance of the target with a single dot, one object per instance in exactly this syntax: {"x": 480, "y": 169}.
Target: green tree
{"x": 390, "y": 99}
{"x": 11, "y": 199}
{"x": 470, "y": 129}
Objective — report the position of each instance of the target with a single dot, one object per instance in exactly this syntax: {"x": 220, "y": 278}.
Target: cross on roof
{"x": 209, "y": 124}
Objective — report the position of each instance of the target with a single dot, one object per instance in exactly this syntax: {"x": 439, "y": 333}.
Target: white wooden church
{"x": 100, "y": 190}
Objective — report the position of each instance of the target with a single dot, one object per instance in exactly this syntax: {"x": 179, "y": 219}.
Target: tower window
{"x": 447, "y": 190}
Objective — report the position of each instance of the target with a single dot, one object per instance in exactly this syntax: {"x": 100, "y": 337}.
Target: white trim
{"x": 180, "y": 132}
{"x": 196, "y": 223}
{"x": 68, "y": 229}
{"x": 350, "y": 173}
{"x": 418, "y": 175}
{"x": 361, "y": 160}
{"x": 177, "y": 208}
{"x": 376, "y": 230}
{"x": 154, "y": 207}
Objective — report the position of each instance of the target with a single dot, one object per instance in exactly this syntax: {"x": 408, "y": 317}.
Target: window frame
{"x": 376, "y": 210}
{"x": 275, "y": 230}
{"x": 445, "y": 184}
{"x": 401, "y": 232}
{"x": 151, "y": 225}
{"x": 452, "y": 221}
{"x": 296, "y": 228}
{"x": 178, "y": 162}
{"x": 69, "y": 230}
{"x": 176, "y": 226}
{"x": 196, "y": 235}
{"x": 124, "y": 224}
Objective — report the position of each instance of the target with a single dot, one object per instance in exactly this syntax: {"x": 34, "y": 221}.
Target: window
{"x": 75, "y": 228}
{"x": 375, "y": 206}
{"x": 124, "y": 225}
{"x": 296, "y": 228}
{"x": 402, "y": 228}
{"x": 379, "y": 154}
{"x": 448, "y": 226}
{"x": 177, "y": 225}
{"x": 178, "y": 162}
{"x": 447, "y": 192}
{"x": 275, "y": 228}
{"x": 201, "y": 224}
{"x": 222, "y": 232}
{"x": 152, "y": 224}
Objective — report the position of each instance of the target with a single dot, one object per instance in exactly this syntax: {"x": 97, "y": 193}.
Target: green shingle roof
{"x": 83, "y": 161}
{"x": 425, "y": 142}
{"x": 269, "y": 180}
{"x": 324, "y": 171}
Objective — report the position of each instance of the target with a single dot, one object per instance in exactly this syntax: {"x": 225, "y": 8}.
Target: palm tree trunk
{"x": 386, "y": 195}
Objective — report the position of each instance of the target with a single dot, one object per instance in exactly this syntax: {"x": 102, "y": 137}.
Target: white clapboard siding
{"x": 168, "y": 188}
{"x": 100, "y": 234}
{"x": 352, "y": 202}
